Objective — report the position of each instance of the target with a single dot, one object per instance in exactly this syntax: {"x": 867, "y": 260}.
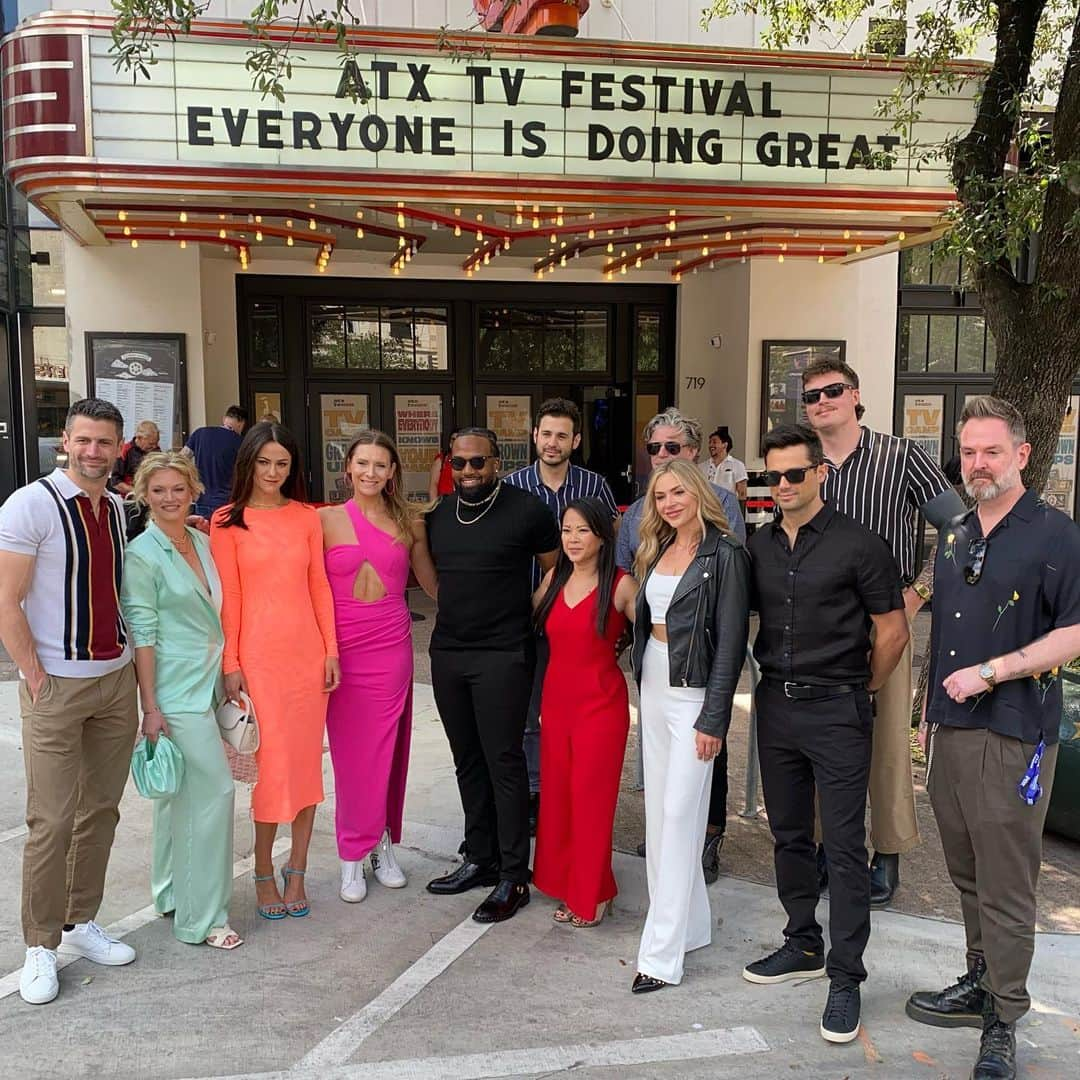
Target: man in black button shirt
{"x": 483, "y": 540}
{"x": 821, "y": 582}
{"x": 1006, "y": 617}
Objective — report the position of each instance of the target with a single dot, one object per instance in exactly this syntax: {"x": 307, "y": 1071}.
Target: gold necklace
{"x": 267, "y": 506}
{"x": 490, "y": 500}
{"x": 182, "y": 544}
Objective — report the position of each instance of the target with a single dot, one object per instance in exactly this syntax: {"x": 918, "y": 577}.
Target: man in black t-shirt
{"x": 483, "y": 539}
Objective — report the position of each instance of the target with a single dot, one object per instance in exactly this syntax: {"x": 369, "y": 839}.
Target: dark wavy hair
{"x": 598, "y": 518}
{"x": 244, "y": 474}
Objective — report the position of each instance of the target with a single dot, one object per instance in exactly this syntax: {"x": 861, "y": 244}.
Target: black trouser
{"x": 718, "y": 791}
{"x": 483, "y": 698}
{"x": 826, "y": 745}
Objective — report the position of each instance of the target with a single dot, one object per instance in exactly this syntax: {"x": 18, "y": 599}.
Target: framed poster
{"x": 510, "y": 417}
{"x": 418, "y": 434}
{"x": 144, "y": 376}
{"x": 783, "y": 363}
{"x": 341, "y": 418}
{"x": 1060, "y": 489}
{"x": 924, "y": 418}
{"x": 267, "y": 406}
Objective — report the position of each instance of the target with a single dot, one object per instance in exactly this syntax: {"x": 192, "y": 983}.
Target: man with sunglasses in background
{"x": 483, "y": 539}
{"x": 1006, "y": 617}
{"x": 820, "y": 582}
{"x": 669, "y": 435}
{"x": 884, "y": 483}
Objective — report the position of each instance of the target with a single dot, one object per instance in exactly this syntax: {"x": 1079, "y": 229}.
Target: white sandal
{"x": 219, "y": 936}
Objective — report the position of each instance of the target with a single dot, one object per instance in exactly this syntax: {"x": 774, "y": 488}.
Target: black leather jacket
{"x": 708, "y": 624}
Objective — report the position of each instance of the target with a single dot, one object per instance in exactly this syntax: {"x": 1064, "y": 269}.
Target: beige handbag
{"x": 238, "y": 725}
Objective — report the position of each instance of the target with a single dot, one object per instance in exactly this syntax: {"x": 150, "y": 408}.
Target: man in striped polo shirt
{"x": 884, "y": 483}
{"x": 61, "y": 560}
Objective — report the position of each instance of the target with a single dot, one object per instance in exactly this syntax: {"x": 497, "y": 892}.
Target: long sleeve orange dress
{"x": 278, "y": 615}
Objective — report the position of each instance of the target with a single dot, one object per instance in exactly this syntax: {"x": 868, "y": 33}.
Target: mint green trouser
{"x": 191, "y": 867}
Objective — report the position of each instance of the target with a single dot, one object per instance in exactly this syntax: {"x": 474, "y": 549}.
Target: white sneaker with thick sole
{"x": 90, "y": 942}
{"x": 387, "y": 871}
{"x": 353, "y": 883}
{"x": 38, "y": 983}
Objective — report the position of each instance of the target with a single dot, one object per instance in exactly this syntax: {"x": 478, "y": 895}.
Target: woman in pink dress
{"x": 370, "y": 544}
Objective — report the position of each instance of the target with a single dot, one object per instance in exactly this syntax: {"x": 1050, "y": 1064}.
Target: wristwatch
{"x": 986, "y": 673}
{"x": 922, "y": 590}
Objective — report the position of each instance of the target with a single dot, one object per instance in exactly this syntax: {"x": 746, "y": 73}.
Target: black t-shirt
{"x": 485, "y": 600}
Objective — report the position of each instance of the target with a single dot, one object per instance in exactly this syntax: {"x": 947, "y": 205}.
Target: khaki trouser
{"x": 77, "y": 743}
{"x": 993, "y": 848}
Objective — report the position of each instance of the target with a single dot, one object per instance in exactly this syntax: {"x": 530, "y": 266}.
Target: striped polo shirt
{"x": 73, "y": 603}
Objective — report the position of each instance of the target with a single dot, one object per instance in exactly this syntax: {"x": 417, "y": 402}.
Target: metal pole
{"x": 750, "y": 807}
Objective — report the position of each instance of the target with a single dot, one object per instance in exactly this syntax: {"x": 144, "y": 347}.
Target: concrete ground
{"x": 406, "y": 987}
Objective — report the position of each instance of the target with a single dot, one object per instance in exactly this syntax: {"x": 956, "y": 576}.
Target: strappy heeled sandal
{"x": 218, "y": 938}
{"x": 562, "y": 914}
{"x": 276, "y": 908}
{"x": 296, "y": 908}
{"x": 582, "y": 924}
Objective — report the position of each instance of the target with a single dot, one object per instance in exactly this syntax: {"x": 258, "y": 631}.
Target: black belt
{"x": 803, "y": 692}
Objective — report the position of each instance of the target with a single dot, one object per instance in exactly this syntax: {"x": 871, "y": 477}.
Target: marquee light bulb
{"x": 312, "y": 224}
{"x": 479, "y": 236}
{"x": 122, "y": 215}
{"x": 134, "y": 243}
{"x": 554, "y": 238}
{"x": 288, "y": 241}
{"x": 858, "y": 248}
{"x": 359, "y": 215}
{"x": 457, "y": 211}
{"x": 127, "y": 230}
{"x": 258, "y": 219}
{"x": 592, "y": 234}
{"x": 457, "y": 230}
{"x": 678, "y": 277}
{"x": 727, "y": 235}
{"x": 223, "y": 233}
{"x": 400, "y": 220}
{"x": 401, "y": 241}
{"x": 821, "y": 258}
{"x": 258, "y": 235}
{"x": 359, "y": 234}
{"x": 183, "y": 244}
{"x": 704, "y": 251}
{"x": 183, "y": 215}
{"x": 506, "y": 244}
{"x": 847, "y": 234}
{"x": 901, "y": 235}
{"x": 288, "y": 223}
{"x": 518, "y": 219}
{"x": 559, "y": 220}
{"x": 610, "y": 247}
{"x": 667, "y": 241}
{"x": 779, "y": 258}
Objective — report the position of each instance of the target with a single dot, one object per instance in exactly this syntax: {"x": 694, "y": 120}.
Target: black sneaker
{"x": 710, "y": 856}
{"x": 840, "y": 1020}
{"x": 960, "y": 1005}
{"x": 788, "y": 962}
{"x": 997, "y": 1051}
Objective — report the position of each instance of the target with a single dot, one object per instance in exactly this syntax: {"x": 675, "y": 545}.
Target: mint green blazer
{"x": 165, "y": 606}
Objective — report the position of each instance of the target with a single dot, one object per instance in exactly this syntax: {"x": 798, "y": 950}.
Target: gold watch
{"x": 922, "y": 590}
{"x": 987, "y": 674}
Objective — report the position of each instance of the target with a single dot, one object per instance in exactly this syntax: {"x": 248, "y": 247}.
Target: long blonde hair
{"x": 402, "y": 512}
{"x": 655, "y": 532}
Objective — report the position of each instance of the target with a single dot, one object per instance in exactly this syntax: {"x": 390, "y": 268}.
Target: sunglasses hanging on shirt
{"x": 976, "y": 560}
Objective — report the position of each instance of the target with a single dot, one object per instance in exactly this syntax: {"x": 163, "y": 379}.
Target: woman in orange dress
{"x": 280, "y": 647}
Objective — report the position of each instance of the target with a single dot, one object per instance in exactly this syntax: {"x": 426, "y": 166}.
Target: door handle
{"x": 628, "y": 474}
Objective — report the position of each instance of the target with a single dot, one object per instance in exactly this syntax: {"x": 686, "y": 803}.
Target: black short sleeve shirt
{"x": 1028, "y": 584}
{"x": 485, "y": 598}
{"x": 815, "y": 600}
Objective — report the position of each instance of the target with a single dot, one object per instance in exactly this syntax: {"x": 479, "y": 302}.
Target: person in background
{"x": 171, "y": 601}
{"x": 61, "y": 561}
{"x": 441, "y": 481}
{"x": 670, "y": 435}
{"x": 724, "y": 470}
{"x": 582, "y": 609}
{"x": 691, "y": 627}
{"x": 280, "y": 648}
{"x": 214, "y": 450}
{"x": 370, "y": 544}
{"x": 146, "y": 441}
{"x": 558, "y": 482}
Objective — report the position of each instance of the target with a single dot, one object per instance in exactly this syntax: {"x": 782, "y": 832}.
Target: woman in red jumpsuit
{"x": 582, "y": 607}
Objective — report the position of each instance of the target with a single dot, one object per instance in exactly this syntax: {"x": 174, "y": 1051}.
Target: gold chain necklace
{"x": 490, "y": 500}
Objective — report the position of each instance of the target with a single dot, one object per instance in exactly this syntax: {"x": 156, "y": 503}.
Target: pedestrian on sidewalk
{"x": 483, "y": 539}
{"x": 691, "y": 626}
{"x": 370, "y": 544}
{"x": 280, "y": 648}
{"x": 1006, "y": 617}
{"x": 61, "y": 561}
{"x": 171, "y": 601}
{"x": 884, "y": 483}
{"x": 214, "y": 450}
{"x": 582, "y": 609}
{"x": 821, "y": 583}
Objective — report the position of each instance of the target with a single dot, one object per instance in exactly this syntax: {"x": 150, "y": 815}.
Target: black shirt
{"x": 485, "y": 601}
{"x": 1029, "y": 585}
{"x": 815, "y": 602}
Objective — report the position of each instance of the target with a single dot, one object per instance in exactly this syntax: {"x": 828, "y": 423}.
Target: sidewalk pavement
{"x": 405, "y": 985}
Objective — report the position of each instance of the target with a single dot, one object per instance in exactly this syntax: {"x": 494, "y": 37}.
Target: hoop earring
{"x": 390, "y": 486}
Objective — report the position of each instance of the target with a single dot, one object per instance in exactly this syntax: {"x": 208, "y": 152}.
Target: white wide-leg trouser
{"x": 676, "y": 814}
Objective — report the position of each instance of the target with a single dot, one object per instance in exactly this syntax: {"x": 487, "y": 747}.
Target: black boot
{"x": 961, "y": 1005}
{"x": 884, "y": 878}
{"x": 997, "y": 1050}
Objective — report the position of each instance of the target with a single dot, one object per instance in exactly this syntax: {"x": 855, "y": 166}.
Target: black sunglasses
{"x": 673, "y": 448}
{"x": 792, "y": 476}
{"x": 977, "y": 555}
{"x": 477, "y": 462}
{"x": 833, "y": 390}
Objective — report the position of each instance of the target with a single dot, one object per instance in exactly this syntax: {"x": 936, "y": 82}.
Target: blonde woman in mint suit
{"x": 171, "y": 601}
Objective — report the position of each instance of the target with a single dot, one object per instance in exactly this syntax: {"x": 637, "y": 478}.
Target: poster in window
{"x": 418, "y": 433}
{"x": 510, "y": 417}
{"x": 924, "y": 422}
{"x": 268, "y": 407}
{"x": 1060, "y": 490}
{"x": 143, "y": 376}
{"x": 343, "y": 417}
{"x": 783, "y": 363}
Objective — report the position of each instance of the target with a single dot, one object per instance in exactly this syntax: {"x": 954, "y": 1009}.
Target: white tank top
{"x": 659, "y": 590}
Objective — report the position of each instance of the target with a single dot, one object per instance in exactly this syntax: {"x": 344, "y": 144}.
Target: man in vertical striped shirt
{"x": 553, "y": 478}
{"x": 884, "y": 483}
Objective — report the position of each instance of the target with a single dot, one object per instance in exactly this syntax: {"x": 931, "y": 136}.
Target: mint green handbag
{"x": 157, "y": 768}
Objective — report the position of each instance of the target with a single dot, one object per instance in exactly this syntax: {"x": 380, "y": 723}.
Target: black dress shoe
{"x": 503, "y": 903}
{"x": 646, "y": 984}
{"x": 961, "y": 1005}
{"x": 468, "y": 875}
{"x": 997, "y": 1051}
{"x": 639, "y": 851}
{"x": 884, "y": 878}
{"x": 822, "y": 871}
{"x": 534, "y": 811}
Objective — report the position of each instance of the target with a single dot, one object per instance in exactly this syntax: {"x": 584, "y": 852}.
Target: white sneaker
{"x": 89, "y": 941}
{"x": 387, "y": 871}
{"x": 353, "y": 883}
{"x": 38, "y": 983}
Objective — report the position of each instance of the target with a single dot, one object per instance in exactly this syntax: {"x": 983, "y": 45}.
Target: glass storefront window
{"x": 971, "y": 343}
{"x": 944, "y": 268}
{"x": 51, "y": 393}
{"x": 362, "y": 338}
{"x": 373, "y": 339}
{"x": 592, "y": 341}
{"x": 430, "y": 327}
{"x": 264, "y": 334}
{"x": 913, "y": 342}
{"x": 647, "y": 340}
{"x": 397, "y": 339}
{"x": 494, "y": 343}
{"x": 915, "y": 265}
{"x": 47, "y": 268}
{"x": 526, "y": 341}
{"x": 942, "y": 350}
{"x": 327, "y": 337}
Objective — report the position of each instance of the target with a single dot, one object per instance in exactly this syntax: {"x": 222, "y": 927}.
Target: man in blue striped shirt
{"x": 553, "y": 478}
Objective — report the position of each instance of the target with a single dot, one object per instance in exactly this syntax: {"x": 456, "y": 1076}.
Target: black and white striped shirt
{"x": 884, "y": 483}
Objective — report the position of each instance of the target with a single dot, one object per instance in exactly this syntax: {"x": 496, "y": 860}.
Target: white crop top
{"x": 659, "y": 590}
